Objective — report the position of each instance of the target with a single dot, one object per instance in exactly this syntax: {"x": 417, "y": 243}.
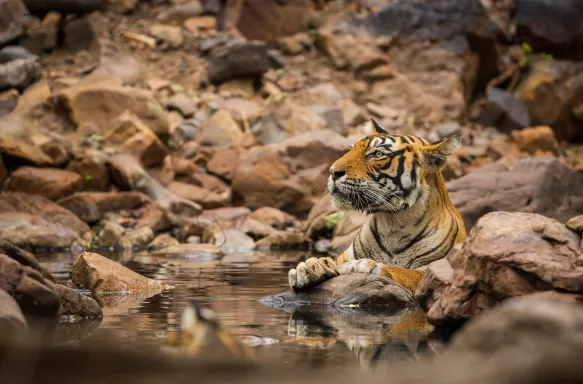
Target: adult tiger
{"x": 398, "y": 180}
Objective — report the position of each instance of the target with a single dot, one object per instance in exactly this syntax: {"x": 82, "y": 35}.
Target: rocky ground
{"x": 138, "y": 125}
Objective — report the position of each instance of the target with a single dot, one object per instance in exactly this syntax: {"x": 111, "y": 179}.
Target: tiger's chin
{"x": 342, "y": 203}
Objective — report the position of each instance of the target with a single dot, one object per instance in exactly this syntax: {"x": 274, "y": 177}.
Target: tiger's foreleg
{"x": 313, "y": 271}
{"x": 408, "y": 278}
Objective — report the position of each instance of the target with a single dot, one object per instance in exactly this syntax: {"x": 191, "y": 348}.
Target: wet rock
{"x": 137, "y": 238}
{"x": 273, "y": 217}
{"x": 78, "y": 34}
{"x": 168, "y": 35}
{"x": 162, "y": 241}
{"x": 549, "y": 26}
{"x": 64, "y": 6}
{"x": 20, "y": 73}
{"x": 507, "y": 255}
{"x": 286, "y": 175}
{"x": 183, "y": 104}
{"x": 229, "y": 239}
{"x": 206, "y": 198}
{"x": 551, "y": 92}
{"x": 539, "y": 185}
{"x": 94, "y": 172}
{"x": 51, "y": 183}
{"x": 220, "y": 130}
{"x": 504, "y": 111}
{"x": 537, "y": 139}
{"x": 360, "y": 289}
{"x": 131, "y": 134}
{"x": 13, "y": 325}
{"x": 267, "y": 20}
{"x": 97, "y": 105}
{"x": 91, "y": 206}
{"x": 99, "y": 274}
{"x": 8, "y": 101}
{"x": 237, "y": 59}
{"x": 224, "y": 162}
{"x": 12, "y": 20}
{"x": 110, "y": 235}
{"x": 77, "y": 305}
{"x": 200, "y": 252}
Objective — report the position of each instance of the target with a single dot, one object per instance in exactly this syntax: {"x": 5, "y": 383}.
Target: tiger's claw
{"x": 313, "y": 271}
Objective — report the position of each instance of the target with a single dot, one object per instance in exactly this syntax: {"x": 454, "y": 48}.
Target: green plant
{"x": 332, "y": 220}
{"x": 529, "y": 55}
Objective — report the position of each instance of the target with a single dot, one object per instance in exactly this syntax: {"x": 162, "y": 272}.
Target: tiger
{"x": 397, "y": 181}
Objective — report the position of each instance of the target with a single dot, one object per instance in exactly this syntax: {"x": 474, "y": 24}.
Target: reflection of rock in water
{"x": 77, "y": 331}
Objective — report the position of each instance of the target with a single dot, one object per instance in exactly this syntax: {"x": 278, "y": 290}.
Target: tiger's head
{"x": 384, "y": 172}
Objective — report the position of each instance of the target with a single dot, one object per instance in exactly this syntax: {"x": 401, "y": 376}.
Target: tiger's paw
{"x": 407, "y": 278}
{"x": 313, "y": 271}
{"x": 363, "y": 266}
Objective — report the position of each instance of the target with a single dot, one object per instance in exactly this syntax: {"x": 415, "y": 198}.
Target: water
{"x": 231, "y": 287}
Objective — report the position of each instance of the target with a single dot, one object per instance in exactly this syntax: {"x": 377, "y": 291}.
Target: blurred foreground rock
{"x": 13, "y": 325}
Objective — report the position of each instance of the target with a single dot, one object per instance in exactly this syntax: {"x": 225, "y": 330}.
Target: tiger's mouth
{"x": 360, "y": 199}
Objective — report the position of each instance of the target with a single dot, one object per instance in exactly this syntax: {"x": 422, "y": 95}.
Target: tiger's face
{"x": 384, "y": 172}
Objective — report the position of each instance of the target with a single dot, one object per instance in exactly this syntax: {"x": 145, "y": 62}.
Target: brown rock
{"x": 8, "y": 101}
{"x": 194, "y": 24}
{"x": 99, "y": 274}
{"x": 282, "y": 240}
{"x": 78, "y": 34}
{"x": 130, "y": 133}
{"x": 110, "y": 235}
{"x": 94, "y": 172}
{"x": 206, "y": 198}
{"x": 273, "y": 217}
{"x": 540, "y": 185}
{"x": 48, "y": 182}
{"x": 13, "y": 325}
{"x": 224, "y": 162}
{"x": 209, "y": 182}
{"x": 21, "y": 149}
{"x": 506, "y": 255}
{"x": 537, "y": 139}
{"x": 162, "y": 241}
{"x": 195, "y": 251}
{"x": 228, "y": 239}
{"x": 575, "y": 224}
{"x": 12, "y": 20}
{"x": 91, "y": 206}
{"x": 289, "y": 175}
{"x": 137, "y": 238}
{"x": 236, "y": 59}
{"x": 97, "y": 105}
{"x": 168, "y": 34}
{"x": 220, "y": 130}
{"x": 224, "y": 214}
{"x": 154, "y": 217}
{"x": 437, "y": 277}
{"x": 77, "y": 305}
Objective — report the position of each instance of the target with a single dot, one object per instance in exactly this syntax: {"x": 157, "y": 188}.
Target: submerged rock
{"x": 77, "y": 305}
{"x": 99, "y": 274}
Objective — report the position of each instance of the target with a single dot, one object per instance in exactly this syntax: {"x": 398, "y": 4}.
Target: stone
{"x": 288, "y": 175}
{"x": 228, "y": 240}
{"x": 19, "y": 148}
{"x": 155, "y": 217}
{"x": 183, "y": 104}
{"x": 237, "y": 59}
{"x": 201, "y": 252}
{"x": 358, "y": 289}
{"x": 92, "y": 206}
{"x": 15, "y": 52}
{"x": 220, "y": 130}
{"x": 206, "y": 198}
{"x": 97, "y": 105}
{"x": 76, "y": 305}
{"x": 13, "y": 325}
{"x": 536, "y": 139}
{"x": 99, "y": 274}
{"x": 504, "y": 111}
{"x": 78, "y": 34}
{"x": 332, "y": 116}
{"x": 448, "y": 129}
{"x": 8, "y": 101}
{"x": 110, "y": 235}
{"x": 273, "y": 217}
{"x": 437, "y": 277}
{"x": 539, "y": 185}
{"x": 12, "y": 20}
{"x": 195, "y": 24}
{"x": 224, "y": 162}
{"x": 167, "y": 34}
{"x": 57, "y": 152}
{"x": 506, "y": 255}
{"x": 64, "y": 6}
{"x": 280, "y": 240}
{"x": 131, "y": 134}
{"x": 291, "y": 45}
{"x": 136, "y": 239}
{"x": 20, "y": 73}
{"x": 182, "y": 11}
{"x": 94, "y": 172}
{"x": 575, "y": 224}
{"x": 162, "y": 241}
{"x": 351, "y": 112}
{"x": 51, "y": 183}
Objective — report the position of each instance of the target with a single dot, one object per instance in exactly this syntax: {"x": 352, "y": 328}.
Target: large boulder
{"x": 505, "y": 255}
{"x": 290, "y": 175}
{"x": 12, "y": 20}
{"x": 92, "y": 206}
{"x": 237, "y": 58}
{"x": 51, "y": 183}
{"x": 540, "y": 185}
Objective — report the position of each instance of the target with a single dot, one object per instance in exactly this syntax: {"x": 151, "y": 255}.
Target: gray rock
{"x": 77, "y": 305}
{"x": 14, "y": 52}
{"x": 504, "y": 111}
{"x": 78, "y": 34}
{"x": 13, "y": 326}
{"x": 8, "y": 101}
{"x": 237, "y": 59}
{"x": 448, "y": 129}
{"x": 183, "y": 104}
{"x": 355, "y": 289}
{"x": 19, "y": 73}
{"x": 64, "y": 6}
{"x": 13, "y": 15}
{"x": 333, "y": 117}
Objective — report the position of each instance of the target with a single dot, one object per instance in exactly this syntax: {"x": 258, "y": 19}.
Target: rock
{"x": 282, "y": 240}
{"x": 110, "y": 235}
{"x": 537, "y": 139}
{"x": 8, "y": 101}
{"x": 363, "y": 290}
{"x": 506, "y": 255}
{"x": 78, "y": 34}
{"x": 242, "y": 87}
{"x": 97, "y": 105}
{"x": 550, "y": 93}
{"x": 12, "y": 20}
{"x": 267, "y": 20}
{"x": 504, "y": 111}
{"x": 15, "y": 52}
{"x": 43, "y": 37}
{"x": 167, "y": 34}
{"x": 51, "y": 183}
{"x": 155, "y": 217}
{"x": 549, "y": 26}
{"x": 224, "y": 162}
{"x": 181, "y": 12}
{"x": 575, "y": 224}
{"x": 437, "y": 277}
{"x": 162, "y": 241}
{"x": 291, "y": 45}
{"x": 99, "y": 274}
{"x": 136, "y": 239}
{"x": 351, "y": 112}
{"x": 21, "y": 149}
{"x": 228, "y": 240}
{"x": 195, "y": 24}
{"x": 237, "y": 59}
{"x": 539, "y": 185}
{"x": 91, "y": 206}
{"x": 13, "y": 325}
{"x": 201, "y": 252}
{"x": 273, "y": 217}
{"x": 94, "y": 172}
{"x": 288, "y": 175}
{"x": 64, "y": 6}
{"x": 221, "y": 130}
{"x": 77, "y": 305}
{"x": 206, "y": 198}
{"x": 446, "y": 130}
{"x": 183, "y": 104}
{"x": 332, "y": 116}
{"x": 225, "y": 214}
{"x": 131, "y": 134}
{"x": 19, "y": 73}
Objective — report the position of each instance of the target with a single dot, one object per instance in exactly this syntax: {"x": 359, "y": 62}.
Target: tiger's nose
{"x": 337, "y": 173}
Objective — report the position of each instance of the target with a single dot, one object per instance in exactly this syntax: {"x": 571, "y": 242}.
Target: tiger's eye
{"x": 377, "y": 154}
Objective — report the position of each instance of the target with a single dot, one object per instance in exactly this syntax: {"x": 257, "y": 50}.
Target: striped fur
{"x": 397, "y": 179}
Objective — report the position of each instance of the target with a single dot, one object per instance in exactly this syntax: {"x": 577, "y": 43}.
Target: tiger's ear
{"x": 373, "y": 128}
{"x": 435, "y": 155}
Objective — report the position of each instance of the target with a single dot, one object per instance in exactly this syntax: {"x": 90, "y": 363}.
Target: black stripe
{"x": 404, "y": 140}
{"x": 375, "y": 230}
{"x": 413, "y": 240}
